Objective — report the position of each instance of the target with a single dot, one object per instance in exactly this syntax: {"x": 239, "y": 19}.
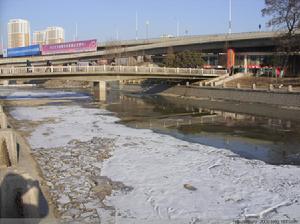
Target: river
{"x": 161, "y": 159}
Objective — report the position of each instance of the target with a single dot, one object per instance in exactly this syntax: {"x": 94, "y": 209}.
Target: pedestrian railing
{"x": 108, "y": 69}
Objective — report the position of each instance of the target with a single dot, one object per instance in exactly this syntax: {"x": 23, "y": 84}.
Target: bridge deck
{"x": 107, "y": 71}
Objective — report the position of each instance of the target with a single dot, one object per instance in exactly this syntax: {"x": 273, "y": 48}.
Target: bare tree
{"x": 285, "y": 16}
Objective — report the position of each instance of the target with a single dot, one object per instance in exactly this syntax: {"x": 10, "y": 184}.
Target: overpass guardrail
{"x": 107, "y": 69}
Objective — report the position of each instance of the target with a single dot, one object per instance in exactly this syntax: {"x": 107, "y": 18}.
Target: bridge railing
{"x": 109, "y": 70}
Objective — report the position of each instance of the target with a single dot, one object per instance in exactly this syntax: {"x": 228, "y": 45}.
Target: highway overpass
{"x": 242, "y": 42}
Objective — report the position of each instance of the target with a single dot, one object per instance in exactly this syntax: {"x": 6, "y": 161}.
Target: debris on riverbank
{"x": 66, "y": 84}
{"x": 73, "y": 174}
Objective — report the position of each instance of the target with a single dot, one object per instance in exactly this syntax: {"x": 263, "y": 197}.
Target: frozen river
{"x": 163, "y": 177}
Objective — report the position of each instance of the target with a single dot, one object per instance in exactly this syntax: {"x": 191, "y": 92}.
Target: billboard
{"x": 230, "y": 58}
{"x": 31, "y": 50}
{"x": 70, "y": 47}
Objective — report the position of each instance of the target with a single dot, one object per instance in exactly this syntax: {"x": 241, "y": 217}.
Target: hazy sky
{"x": 103, "y": 19}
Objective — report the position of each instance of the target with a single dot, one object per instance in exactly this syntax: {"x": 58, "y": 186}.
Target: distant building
{"x": 39, "y": 37}
{"x": 18, "y": 33}
{"x": 54, "y": 35}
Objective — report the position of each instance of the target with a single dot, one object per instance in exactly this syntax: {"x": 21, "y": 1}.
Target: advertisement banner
{"x": 31, "y": 50}
{"x": 230, "y": 58}
{"x": 70, "y": 47}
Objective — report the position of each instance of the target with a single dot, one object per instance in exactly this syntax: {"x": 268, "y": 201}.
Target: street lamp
{"x": 178, "y": 31}
{"x": 230, "y": 16}
{"x": 136, "y": 26}
{"x": 147, "y": 29}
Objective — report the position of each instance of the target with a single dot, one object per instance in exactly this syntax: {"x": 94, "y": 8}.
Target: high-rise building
{"x": 39, "y": 37}
{"x": 18, "y": 33}
{"x": 54, "y": 35}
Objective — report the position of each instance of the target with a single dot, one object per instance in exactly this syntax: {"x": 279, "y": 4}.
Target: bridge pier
{"x": 100, "y": 90}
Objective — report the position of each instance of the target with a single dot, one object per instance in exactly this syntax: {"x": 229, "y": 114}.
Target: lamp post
{"x": 136, "y": 26}
{"x": 2, "y": 47}
{"x": 147, "y": 29}
{"x": 230, "y": 17}
{"x": 117, "y": 34}
{"x": 178, "y": 28}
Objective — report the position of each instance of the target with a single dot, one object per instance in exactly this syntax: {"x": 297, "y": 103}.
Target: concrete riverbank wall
{"x": 291, "y": 99}
{"x": 21, "y": 197}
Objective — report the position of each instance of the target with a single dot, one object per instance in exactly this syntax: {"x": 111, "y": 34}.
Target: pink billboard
{"x": 69, "y": 47}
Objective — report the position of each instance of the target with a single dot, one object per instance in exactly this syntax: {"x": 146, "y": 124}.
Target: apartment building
{"x": 18, "y": 33}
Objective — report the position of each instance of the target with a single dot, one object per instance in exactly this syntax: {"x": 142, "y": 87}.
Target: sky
{"x": 108, "y": 20}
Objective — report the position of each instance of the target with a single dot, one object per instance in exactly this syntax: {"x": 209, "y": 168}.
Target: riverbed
{"x": 138, "y": 160}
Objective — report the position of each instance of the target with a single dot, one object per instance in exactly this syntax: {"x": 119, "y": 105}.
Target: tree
{"x": 170, "y": 58}
{"x": 285, "y": 16}
{"x": 185, "y": 59}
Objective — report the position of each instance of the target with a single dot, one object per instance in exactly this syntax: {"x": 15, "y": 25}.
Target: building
{"x": 54, "y": 35}
{"x": 18, "y": 33}
{"x": 39, "y": 37}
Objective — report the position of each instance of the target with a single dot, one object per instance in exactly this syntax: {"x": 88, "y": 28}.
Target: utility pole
{"x": 2, "y": 47}
{"x": 147, "y": 29}
{"x": 117, "y": 34}
{"x": 230, "y": 17}
{"x": 75, "y": 35}
{"x": 136, "y": 26}
{"x": 178, "y": 31}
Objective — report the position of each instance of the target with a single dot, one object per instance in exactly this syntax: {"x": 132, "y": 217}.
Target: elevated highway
{"x": 242, "y": 42}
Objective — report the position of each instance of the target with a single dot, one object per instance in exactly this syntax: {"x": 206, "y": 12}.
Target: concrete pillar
{"x": 100, "y": 90}
{"x": 8, "y": 142}
{"x": 271, "y": 87}
{"x": 246, "y": 63}
{"x": 5, "y": 82}
{"x": 254, "y": 86}
{"x": 3, "y": 120}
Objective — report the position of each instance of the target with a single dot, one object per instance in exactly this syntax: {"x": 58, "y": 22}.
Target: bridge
{"x": 242, "y": 42}
{"x": 105, "y": 72}
{"x": 99, "y": 75}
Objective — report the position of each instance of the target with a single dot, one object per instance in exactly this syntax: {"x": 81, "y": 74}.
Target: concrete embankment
{"x": 243, "y": 95}
{"x": 22, "y": 192}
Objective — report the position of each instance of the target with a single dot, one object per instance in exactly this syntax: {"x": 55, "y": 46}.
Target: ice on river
{"x": 15, "y": 95}
{"x": 158, "y": 166}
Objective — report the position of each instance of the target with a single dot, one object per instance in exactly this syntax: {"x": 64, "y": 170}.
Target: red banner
{"x": 70, "y": 47}
{"x": 230, "y": 58}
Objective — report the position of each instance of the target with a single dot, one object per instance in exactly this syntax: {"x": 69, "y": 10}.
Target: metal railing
{"x": 107, "y": 69}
